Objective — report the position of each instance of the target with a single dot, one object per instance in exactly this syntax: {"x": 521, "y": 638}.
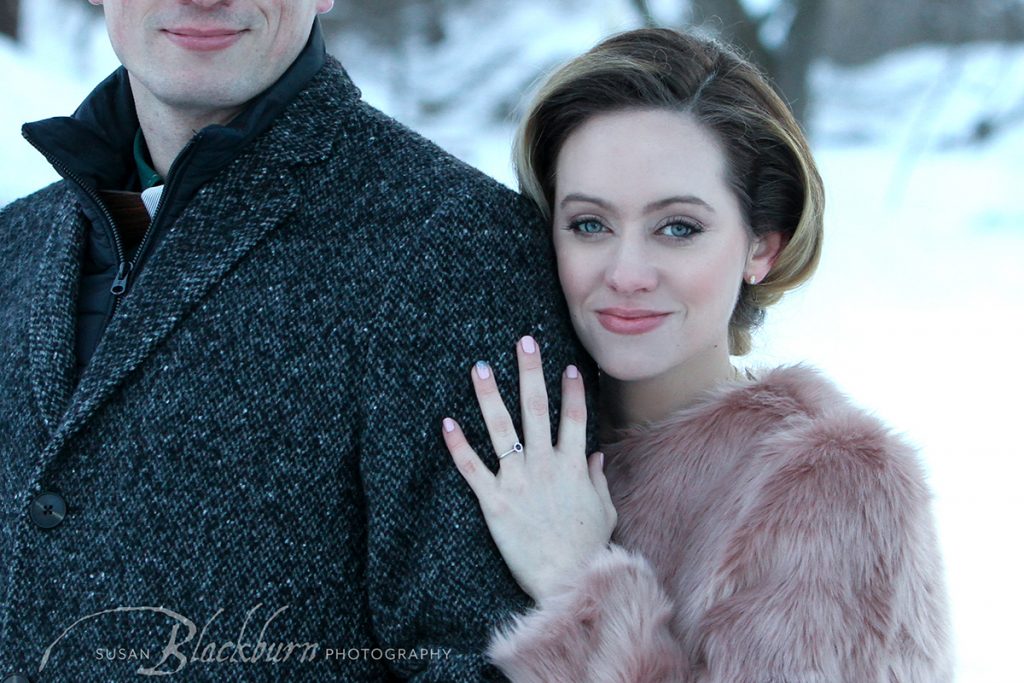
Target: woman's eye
{"x": 586, "y": 226}
{"x": 680, "y": 229}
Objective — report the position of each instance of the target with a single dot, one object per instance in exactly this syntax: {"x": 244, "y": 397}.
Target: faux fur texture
{"x": 776, "y": 534}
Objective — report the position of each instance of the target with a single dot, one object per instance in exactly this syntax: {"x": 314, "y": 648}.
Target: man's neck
{"x": 168, "y": 130}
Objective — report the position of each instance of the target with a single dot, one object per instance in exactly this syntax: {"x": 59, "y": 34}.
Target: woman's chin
{"x": 631, "y": 370}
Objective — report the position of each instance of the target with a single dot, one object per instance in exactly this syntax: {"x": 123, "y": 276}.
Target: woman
{"x": 762, "y": 528}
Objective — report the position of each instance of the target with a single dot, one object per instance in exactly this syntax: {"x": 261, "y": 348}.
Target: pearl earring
{"x": 753, "y": 279}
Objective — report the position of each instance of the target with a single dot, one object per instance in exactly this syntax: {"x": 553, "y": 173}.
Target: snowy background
{"x": 919, "y": 292}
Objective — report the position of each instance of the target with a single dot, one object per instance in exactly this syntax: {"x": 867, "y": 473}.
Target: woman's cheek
{"x": 572, "y": 277}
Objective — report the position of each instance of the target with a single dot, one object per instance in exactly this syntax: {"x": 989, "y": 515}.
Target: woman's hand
{"x": 548, "y": 508}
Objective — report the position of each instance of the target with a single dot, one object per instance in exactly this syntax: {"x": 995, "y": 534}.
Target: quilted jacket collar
{"x": 94, "y": 147}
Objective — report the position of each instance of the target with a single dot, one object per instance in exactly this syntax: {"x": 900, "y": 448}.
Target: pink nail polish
{"x": 600, "y": 459}
{"x": 483, "y": 371}
{"x": 449, "y": 424}
{"x": 571, "y": 372}
{"x": 529, "y": 345}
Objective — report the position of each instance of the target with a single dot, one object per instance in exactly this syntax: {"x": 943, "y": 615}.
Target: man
{"x": 229, "y": 336}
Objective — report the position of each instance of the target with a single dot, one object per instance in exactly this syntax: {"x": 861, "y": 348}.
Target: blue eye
{"x": 586, "y": 226}
{"x": 680, "y": 229}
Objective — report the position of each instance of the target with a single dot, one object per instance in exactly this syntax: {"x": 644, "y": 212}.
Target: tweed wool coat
{"x": 255, "y": 482}
{"x": 772, "y": 534}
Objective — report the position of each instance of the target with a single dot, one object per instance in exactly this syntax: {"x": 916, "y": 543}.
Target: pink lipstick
{"x": 630, "y": 320}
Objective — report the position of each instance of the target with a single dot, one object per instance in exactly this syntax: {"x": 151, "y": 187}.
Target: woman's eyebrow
{"x": 579, "y": 197}
{"x": 680, "y": 199}
{"x": 653, "y": 206}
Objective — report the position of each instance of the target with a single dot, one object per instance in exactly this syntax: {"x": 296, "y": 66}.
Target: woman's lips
{"x": 203, "y": 40}
{"x": 630, "y": 321}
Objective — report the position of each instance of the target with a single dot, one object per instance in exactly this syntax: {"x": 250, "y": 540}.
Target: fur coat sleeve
{"x": 820, "y": 566}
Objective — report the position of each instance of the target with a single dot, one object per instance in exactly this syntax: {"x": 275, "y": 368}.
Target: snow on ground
{"x": 916, "y": 309}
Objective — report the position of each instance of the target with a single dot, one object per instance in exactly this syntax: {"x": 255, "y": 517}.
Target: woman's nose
{"x": 630, "y": 271}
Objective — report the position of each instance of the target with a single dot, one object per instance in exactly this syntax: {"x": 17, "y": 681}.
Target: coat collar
{"x": 95, "y": 147}
{"x": 741, "y": 411}
{"x": 214, "y": 231}
{"x": 209, "y": 238}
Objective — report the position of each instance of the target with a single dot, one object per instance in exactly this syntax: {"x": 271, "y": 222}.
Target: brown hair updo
{"x": 769, "y": 163}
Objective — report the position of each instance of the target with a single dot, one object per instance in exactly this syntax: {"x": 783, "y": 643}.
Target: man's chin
{"x": 203, "y": 98}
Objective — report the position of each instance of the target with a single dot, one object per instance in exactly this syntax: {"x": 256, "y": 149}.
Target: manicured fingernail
{"x": 529, "y": 345}
{"x": 483, "y": 370}
{"x": 600, "y": 459}
{"x": 449, "y": 424}
{"x": 571, "y": 372}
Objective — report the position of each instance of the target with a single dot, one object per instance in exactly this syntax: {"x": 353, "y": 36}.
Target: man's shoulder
{"x": 26, "y": 224}
{"x": 413, "y": 164}
{"x": 42, "y": 204}
{"x": 380, "y": 154}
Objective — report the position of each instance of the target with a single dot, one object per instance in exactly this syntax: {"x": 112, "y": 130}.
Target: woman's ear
{"x": 764, "y": 249}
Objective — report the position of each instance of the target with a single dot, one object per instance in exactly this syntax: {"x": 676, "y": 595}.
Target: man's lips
{"x": 203, "y": 39}
{"x": 630, "y": 320}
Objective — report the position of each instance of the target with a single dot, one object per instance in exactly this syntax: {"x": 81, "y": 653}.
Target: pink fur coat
{"x": 773, "y": 533}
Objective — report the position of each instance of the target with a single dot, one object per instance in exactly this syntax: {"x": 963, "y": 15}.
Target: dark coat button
{"x": 47, "y": 510}
{"x": 17, "y": 678}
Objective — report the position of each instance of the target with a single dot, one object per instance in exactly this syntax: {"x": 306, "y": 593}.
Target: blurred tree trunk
{"x": 729, "y": 19}
{"x": 793, "y": 59}
{"x": 787, "y": 64}
{"x": 9, "y": 18}
{"x": 644, "y": 10}
{"x": 857, "y": 32}
{"x": 391, "y": 22}
{"x": 847, "y": 32}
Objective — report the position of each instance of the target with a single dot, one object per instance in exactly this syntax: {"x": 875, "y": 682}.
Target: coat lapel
{"x": 225, "y": 220}
{"x": 52, "y": 325}
{"x": 220, "y": 227}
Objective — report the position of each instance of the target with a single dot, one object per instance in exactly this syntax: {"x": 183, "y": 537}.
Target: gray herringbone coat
{"x": 259, "y": 427}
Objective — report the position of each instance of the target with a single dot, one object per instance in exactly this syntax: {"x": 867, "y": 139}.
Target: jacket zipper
{"x": 124, "y": 266}
{"x": 169, "y": 189}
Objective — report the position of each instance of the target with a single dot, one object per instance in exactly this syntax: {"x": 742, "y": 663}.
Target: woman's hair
{"x": 769, "y": 163}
